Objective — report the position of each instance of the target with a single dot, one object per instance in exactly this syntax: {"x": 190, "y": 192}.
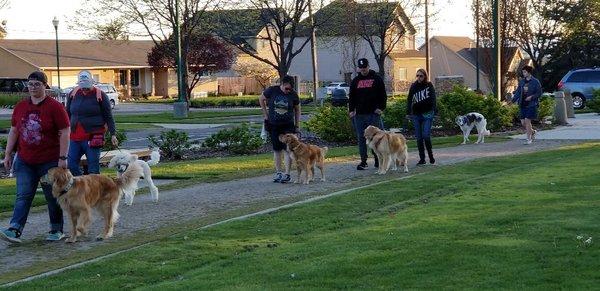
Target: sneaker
{"x": 432, "y": 161}
{"x": 285, "y": 178}
{"x": 362, "y": 166}
{"x": 11, "y": 235}
{"x": 55, "y": 236}
{"x": 277, "y": 177}
{"x": 421, "y": 162}
{"x": 528, "y": 142}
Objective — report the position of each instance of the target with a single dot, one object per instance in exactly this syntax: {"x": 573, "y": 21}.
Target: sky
{"x": 32, "y": 19}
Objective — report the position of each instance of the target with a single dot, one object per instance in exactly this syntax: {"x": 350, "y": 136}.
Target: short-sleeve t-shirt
{"x": 37, "y": 129}
{"x": 281, "y": 105}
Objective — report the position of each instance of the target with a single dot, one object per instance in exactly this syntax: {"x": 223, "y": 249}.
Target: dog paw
{"x": 70, "y": 240}
{"x": 99, "y": 238}
{"x": 405, "y": 170}
{"x": 323, "y": 180}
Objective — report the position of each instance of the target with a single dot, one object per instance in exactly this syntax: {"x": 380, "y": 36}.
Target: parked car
{"x": 13, "y": 85}
{"x": 337, "y": 85}
{"x": 339, "y": 97}
{"x": 109, "y": 89}
{"x": 581, "y": 83}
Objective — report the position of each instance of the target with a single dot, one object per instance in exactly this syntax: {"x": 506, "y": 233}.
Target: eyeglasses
{"x": 420, "y": 76}
{"x": 34, "y": 85}
{"x": 287, "y": 89}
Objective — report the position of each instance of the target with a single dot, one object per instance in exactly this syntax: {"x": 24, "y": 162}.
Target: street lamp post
{"x": 180, "y": 107}
{"x": 55, "y": 23}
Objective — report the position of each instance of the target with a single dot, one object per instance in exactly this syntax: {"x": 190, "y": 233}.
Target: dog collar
{"x": 68, "y": 187}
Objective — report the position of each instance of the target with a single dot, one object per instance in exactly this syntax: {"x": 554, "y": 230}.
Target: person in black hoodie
{"x": 420, "y": 108}
{"x": 367, "y": 101}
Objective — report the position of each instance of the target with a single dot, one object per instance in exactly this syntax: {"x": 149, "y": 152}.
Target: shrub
{"x": 3, "y": 142}
{"x": 230, "y": 101}
{"x": 332, "y": 124}
{"x": 238, "y": 140}
{"x": 395, "y": 115}
{"x": 594, "y": 103}
{"x": 172, "y": 144}
{"x": 461, "y": 101}
{"x": 108, "y": 146}
{"x": 546, "y": 107}
{"x": 11, "y": 99}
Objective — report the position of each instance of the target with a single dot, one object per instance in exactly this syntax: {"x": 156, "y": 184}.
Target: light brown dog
{"x": 78, "y": 195}
{"x": 306, "y": 157}
{"x": 390, "y": 148}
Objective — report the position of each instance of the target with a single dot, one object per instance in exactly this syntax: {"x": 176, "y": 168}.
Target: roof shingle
{"x": 81, "y": 53}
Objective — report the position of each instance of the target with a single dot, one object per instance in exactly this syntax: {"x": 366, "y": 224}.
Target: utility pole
{"x": 497, "y": 57}
{"x": 180, "y": 107}
{"x": 477, "y": 69}
{"x": 427, "y": 62}
{"x": 313, "y": 41}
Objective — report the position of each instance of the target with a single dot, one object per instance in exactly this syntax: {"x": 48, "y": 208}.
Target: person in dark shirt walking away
{"x": 421, "y": 107}
{"x": 282, "y": 116}
{"x": 367, "y": 101}
{"x": 528, "y": 95}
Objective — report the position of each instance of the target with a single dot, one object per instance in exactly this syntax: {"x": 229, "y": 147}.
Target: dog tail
{"x": 324, "y": 151}
{"x": 154, "y": 158}
{"x": 487, "y": 132}
{"x": 130, "y": 176}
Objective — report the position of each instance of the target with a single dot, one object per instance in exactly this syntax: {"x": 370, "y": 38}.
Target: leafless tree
{"x": 155, "y": 19}
{"x": 383, "y": 24}
{"x": 283, "y": 25}
{"x": 4, "y": 4}
{"x": 508, "y": 20}
{"x": 536, "y": 31}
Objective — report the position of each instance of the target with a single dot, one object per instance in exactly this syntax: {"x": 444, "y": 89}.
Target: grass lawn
{"x": 217, "y": 169}
{"x": 193, "y": 117}
{"x": 502, "y": 223}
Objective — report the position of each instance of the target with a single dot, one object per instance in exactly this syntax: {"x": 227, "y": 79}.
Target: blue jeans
{"x": 422, "y": 126}
{"x": 423, "y": 135}
{"x": 79, "y": 148}
{"x": 28, "y": 178}
{"x": 361, "y": 122}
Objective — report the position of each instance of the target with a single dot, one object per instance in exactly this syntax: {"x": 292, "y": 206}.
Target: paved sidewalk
{"x": 582, "y": 127}
{"x": 200, "y": 201}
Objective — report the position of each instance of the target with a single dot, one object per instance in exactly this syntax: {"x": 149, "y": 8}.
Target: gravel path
{"x": 211, "y": 198}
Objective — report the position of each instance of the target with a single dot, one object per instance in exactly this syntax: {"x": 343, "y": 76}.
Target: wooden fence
{"x": 233, "y": 85}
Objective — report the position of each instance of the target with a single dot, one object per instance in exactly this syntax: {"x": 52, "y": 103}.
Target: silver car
{"x": 111, "y": 92}
{"x": 581, "y": 83}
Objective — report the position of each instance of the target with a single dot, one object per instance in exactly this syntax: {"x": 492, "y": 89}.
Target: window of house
{"x": 402, "y": 72}
{"x": 122, "y": 79}
{"x": 96, "y": 77}
{"x": 135, "y": 78}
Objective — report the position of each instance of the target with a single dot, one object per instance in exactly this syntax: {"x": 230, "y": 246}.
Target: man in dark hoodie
{"x": 367, "y": 101}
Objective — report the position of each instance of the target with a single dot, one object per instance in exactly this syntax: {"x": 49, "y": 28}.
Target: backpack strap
{"x": 98, "y": 93}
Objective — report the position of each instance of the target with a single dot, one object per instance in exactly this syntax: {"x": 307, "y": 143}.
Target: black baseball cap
{"x": 38, "y": 76}
{"x": 363, "y": 63}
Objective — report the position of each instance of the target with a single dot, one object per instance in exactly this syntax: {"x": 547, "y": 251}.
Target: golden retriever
{"x": 390, "y": 148}
{"x": 306, "y": 157}
{"x": 78, "y": 195}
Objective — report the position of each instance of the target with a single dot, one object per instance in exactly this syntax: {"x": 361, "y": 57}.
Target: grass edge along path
{"x": 209, "y": 170}
{"x": 365, "y": 239}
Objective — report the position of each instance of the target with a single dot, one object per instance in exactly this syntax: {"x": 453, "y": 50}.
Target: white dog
{"x": 121, "y": 161}
{"x": 468, "y": 121}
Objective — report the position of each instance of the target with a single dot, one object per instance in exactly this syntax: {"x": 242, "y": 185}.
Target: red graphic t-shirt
{"x": 37, "y": 129}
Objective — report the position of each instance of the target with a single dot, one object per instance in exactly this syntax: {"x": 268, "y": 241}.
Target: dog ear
{"x": 133, "y": 158}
